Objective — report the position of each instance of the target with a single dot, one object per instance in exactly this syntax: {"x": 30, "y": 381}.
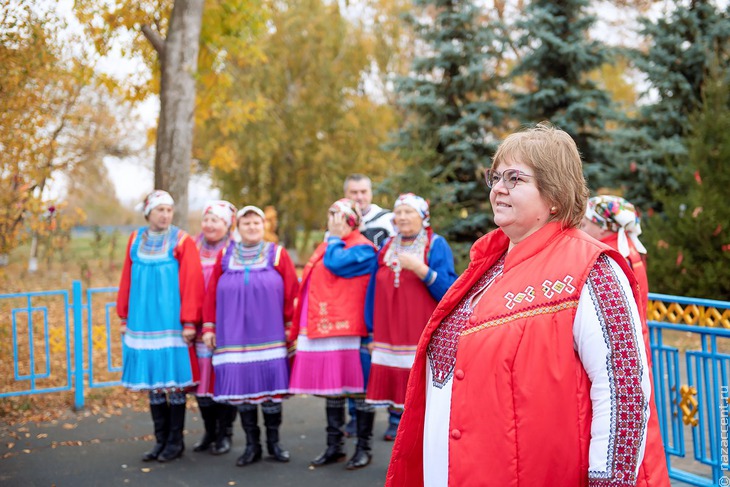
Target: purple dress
{"x": 250, "y": 359}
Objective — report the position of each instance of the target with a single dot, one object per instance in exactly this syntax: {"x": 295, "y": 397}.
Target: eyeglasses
{"x": 510, "y": 177}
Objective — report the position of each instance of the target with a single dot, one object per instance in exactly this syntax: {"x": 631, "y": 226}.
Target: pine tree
{"x": 452, "y": 107}
{"x": 689, "y": 244}
{"x": 680, "y": 48}
{"x": 558, "y": 58}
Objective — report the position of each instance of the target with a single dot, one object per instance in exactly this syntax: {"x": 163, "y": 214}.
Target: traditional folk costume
{"x": 399, "y": 304}
{"x": 544, "y": 380}
{"x": 160, "y": 292}
{"x": 617, "y": 215}
{"x": 218, "y": 418}
{"x": 328, "y": 325}
{"x": 249, "y": 305}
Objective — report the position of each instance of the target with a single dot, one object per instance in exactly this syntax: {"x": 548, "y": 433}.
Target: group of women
{"x": 224, "y": 316}
{"x": 532, "y": 367}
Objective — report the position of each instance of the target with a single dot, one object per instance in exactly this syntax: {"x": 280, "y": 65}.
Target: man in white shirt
{"x": 377, "y": 223}
{"x": 376, "y": 226}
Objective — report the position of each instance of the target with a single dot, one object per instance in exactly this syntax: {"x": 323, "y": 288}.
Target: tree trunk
{"x": 179, "y": 62}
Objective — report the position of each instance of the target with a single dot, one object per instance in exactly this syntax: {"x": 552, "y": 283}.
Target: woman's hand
{"x": 188, "y": 335}
{"x": 209, "y": 339}
{"x": 123, "y": 328}
{"x": 337, "y": 226}
{"x": 413, "y": 264}
{"x": 371, "y": 347}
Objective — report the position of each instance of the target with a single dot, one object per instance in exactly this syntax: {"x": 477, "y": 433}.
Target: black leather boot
{"x": 252, "y": 453}
{"x": 223, "y": 429}
{"x": 208, "y": 412}
{"x": 175, "y": 446}
{"x": 272, "y": 421}
{"x": 160, "y": 419}
{"x": 363, "y": 451}
{"x": 335, "y": 451}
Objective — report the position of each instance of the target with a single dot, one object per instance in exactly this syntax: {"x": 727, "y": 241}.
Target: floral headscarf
{"x": 222, "y": 209}
{"x": 156, "y": 198}
{"x": 417, "y": 203}
{"x": 349, "y": 208}
{"x": 617, "y": 215}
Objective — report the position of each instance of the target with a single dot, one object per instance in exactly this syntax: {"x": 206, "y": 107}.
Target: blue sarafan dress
{"x": 155, "y": 354}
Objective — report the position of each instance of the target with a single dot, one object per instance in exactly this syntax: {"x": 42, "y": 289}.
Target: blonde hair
{"x": 555, "y": 162}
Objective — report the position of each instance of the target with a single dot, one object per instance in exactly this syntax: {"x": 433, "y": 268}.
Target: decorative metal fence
{"x": 64, "y": 342}
{"x": 691, "y": 366}
{"x": 48, "y": 337}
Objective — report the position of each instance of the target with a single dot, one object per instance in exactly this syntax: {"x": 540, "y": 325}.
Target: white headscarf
{"x": 222, "y": 209}
{"x": 617, "y": 215}
{"x": 417, "y": 203}
{"x": 156, "y": 198}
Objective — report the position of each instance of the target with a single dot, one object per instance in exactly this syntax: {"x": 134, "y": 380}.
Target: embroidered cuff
{"x": 189, "y": 326}
{"x": 208, "y": 328}
{"x": 430, "y": 277}
{"x": 609, "y": 483}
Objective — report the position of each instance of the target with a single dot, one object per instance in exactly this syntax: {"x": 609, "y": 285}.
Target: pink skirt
{"x": 327, "y": 367}
{"x": 205, "y": 366}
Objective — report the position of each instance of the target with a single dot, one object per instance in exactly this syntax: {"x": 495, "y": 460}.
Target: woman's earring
{"x": 553, "y": 210}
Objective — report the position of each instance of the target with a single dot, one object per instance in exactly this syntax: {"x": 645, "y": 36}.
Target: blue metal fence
{"x": 692, "y": 394}
{"x": 53, "y": 340}
{"x": 690, "y": 342}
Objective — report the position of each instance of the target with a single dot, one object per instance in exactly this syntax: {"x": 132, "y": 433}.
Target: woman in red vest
{"x": 614, "y": 221}
{"x": 533, "y": 368}
{"x": 329, "y": 325}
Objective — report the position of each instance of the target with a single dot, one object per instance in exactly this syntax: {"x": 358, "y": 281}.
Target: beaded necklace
{"x": 154, "y": 243}
{"x": 414, "y": 245}
{"x": 209, "y": 251}
{"x": 248, "y": 255}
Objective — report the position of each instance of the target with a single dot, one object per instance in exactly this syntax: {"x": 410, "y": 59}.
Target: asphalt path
{"x": 105, "y": 450}
{"x": 83, "y": 449}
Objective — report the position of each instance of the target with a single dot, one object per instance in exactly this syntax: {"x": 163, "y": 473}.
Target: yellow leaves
{"x": 224, "y": 159}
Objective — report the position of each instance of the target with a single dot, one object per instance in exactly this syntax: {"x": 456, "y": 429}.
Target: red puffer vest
{"x": 520, "y": 405}
{"x": 336, "y": 304}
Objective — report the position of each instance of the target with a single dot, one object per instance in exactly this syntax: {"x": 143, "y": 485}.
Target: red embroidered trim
{"x": 628, "y": 404}
{"x": 445, "y": 340}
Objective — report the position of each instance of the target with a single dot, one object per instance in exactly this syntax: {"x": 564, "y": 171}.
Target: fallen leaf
{"x": 231, "y": 483}
{"x": 42, "y": 435}
{"x": 69, "y": 426}
{"x": 145, "y": 470}
{"x": 26, "y": 451}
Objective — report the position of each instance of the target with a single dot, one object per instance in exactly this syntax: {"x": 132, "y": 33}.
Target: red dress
{"x": 399, "y": 316}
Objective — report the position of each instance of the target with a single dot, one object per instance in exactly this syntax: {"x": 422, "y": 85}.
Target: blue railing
{"x": 53, "y": 341}
{"x": 692, "y": 394}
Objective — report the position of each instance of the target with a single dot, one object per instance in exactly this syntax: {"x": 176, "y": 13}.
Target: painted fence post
{"x": 78, "y": 346}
